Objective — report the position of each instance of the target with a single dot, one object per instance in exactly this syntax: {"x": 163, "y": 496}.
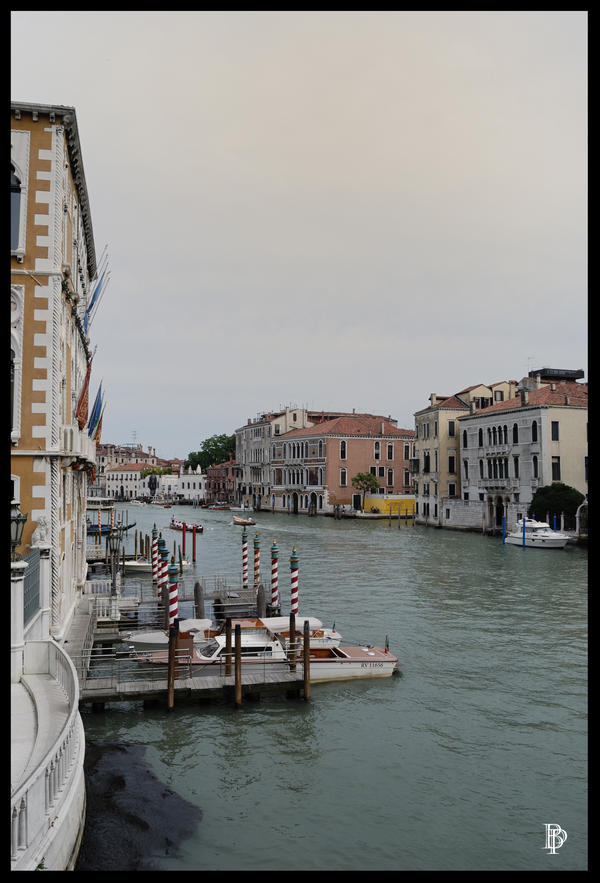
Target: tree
{"x": 555, "y": 498}
{"x": 365, "y": 482}
{"x": 215, "y": 449}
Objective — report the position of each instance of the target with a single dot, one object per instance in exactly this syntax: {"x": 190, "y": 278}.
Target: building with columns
{"x": 53, "y": 265}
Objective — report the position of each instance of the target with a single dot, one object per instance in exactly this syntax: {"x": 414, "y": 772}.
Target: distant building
{"x": 436, "y": 462}
{"x": 221, "y": 482}
{"x": 312, "y": 468}
{"x": 514, "y": 447}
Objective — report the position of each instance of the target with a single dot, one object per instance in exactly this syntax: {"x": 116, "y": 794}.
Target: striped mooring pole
{"x": 245, "y": 558}
{"x": 154, "y": 554}
{"x": 274, "y": 575}
{"x": 173, "y": 570}
{"x": 294, "y": 570}
{"x": 163, "y": 563}
{"x": 256, "y": 562}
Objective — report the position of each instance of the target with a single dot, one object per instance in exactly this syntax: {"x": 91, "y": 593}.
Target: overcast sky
{"x": 335, "y": 210}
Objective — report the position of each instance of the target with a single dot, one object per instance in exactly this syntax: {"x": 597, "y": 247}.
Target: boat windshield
{"x": 211, "y": 649}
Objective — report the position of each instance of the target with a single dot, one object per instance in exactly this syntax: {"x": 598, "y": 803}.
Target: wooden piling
{"x": 261, "y": 604}
{"x": 228, "y": 646}
{"x": 306, "y": 651}
{"x": 292, "y": 642}
{"x": 238, "y": 665}
{"x": 173, "y": 633}
{"x": 199, "y": 601}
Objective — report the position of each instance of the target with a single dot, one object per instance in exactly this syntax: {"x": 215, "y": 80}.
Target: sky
{"x": 331, "y": 210}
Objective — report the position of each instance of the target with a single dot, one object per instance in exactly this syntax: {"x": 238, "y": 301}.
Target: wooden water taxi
{"x": 260, "y": 647}
{"x": 237, "y": 519}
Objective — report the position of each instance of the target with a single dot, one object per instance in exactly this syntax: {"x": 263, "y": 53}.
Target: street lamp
{"x": 114, "y": 546}
{"x": 17, "y": 523}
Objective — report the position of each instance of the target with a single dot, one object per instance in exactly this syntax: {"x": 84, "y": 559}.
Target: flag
{"x": 81, "y": 411}
{"x": 387, "y": 644}
{"x": 98, "y": 432}
{"x": 96, "y": 410}
{"x": 93, "y": 300}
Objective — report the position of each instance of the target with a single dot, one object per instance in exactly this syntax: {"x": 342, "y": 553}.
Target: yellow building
{"x": 53, "y": 263}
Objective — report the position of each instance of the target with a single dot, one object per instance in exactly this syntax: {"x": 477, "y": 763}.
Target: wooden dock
{"x": 99, "y": 691}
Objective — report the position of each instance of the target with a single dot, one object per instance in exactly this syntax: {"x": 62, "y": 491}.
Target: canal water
{"x": 461, "y": 763}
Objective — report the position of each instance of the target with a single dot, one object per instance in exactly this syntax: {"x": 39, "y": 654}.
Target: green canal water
{"x": 459, "y": 764}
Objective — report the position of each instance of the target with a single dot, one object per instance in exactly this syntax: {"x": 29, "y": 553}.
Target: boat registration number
{"x": 371, "y": 665}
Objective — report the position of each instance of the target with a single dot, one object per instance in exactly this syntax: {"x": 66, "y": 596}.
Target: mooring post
{"x": 306, "y": 661}
{"x": 238, "y": 665}
{"x": 199, "y": 600}
{"x": 183, "y": 531}
{"x": 228, "y": 646}
{"x": 194, "y": 544}
{"x": 292, "y": 642}
{"x": 173, "y": 634}
{"x": 261, "y": 604}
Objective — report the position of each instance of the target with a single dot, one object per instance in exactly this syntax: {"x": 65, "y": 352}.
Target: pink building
{"x": 312, "y": 468}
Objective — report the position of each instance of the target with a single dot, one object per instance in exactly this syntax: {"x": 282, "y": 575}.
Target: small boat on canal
{"x": 260, "y": 647}
{"x": 158, "y": 639}
{"x": 142, "y": 565}
{"x": 237, "y": 519}
{"x": 536, "y": 535}
{"x": 179, "y": 525}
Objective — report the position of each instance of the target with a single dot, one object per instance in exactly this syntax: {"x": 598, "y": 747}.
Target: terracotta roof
{"x": 352, "y": 424}
{"x": 128, "y": 467}
{"x": 447, "y": 402}
{"x": 577, "y": 394}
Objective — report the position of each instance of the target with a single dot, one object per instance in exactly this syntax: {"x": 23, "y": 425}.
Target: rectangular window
{"x": 390, "y": 477}
{"x": 343, "y": 478}
{"x": 451, "y": 463}
{"x": 555, "y": 430}
{"x": 555, "y": 468}
{"x": 516, "y": 466}
{"x": 451, "y": 430}
{"x": 390, "y": 452}
{"x": 381, "y": 471}
{"x": 373, "y": 470}
{"x": 451, "y": 490}
{"x": 376, "y": 452}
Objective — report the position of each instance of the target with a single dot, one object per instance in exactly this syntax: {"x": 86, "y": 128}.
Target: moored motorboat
{"x": 158, "y": 639}
{"x": 536, "y": 535}
{"x": 142, "y": 565}
{"x": 319, "y": 636}
{"x": 260, "y": 647}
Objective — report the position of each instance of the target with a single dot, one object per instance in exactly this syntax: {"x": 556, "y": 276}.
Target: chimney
{"x": 433, "y": 398}
{"x": 553, "y": 387}
{"x": 524, "y": 396}
{"x": 382, "y": 427}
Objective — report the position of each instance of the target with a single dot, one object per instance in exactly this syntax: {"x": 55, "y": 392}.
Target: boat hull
{"x": 536, "y": 542}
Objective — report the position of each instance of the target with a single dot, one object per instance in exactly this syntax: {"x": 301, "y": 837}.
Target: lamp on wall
{"x": 17, "y": 523}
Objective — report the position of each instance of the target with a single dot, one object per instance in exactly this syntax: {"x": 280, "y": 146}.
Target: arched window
{"x": 535, "y": 467}
{"x": 481, "y": 469}
{"x": 515, "y": 434}
{"x": 480, "y": 438}
{"x": 505, "y": 432}
{"x": 534, "y": 437}
{"x": 464, "y": 438}
{"x": 342, "y": 450}
{"x": 15, "y": 208}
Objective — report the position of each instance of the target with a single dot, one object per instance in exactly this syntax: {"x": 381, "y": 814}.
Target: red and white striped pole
{"x": 112, "y": 519}
{"x": 256, "y": 562}
{"x": 173, "y": 570}
{"x": 294, "y": 570}
{"x": 274, "y": 575}
{"x": 99, "y": 521}
{"x": 154, "y": 554}
{"x": 162, "y": 565}
{"x": 245, "y": 558}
